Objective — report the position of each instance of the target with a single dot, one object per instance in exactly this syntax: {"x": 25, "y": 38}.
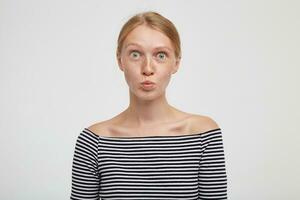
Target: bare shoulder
{"x": 202, "y": 123}
{"x": 99, "y": 128}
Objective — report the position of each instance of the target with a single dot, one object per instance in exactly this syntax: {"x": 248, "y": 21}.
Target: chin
{"x": 145, "y": 95}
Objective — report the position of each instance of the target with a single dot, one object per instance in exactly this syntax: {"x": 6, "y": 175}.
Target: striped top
{"x": 182, "y": 167}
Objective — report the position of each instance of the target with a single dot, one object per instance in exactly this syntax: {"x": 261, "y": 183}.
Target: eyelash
{"x": 133, "y": 51}
{"x": 166, "y": 54}
{"x": 163, "y": 53}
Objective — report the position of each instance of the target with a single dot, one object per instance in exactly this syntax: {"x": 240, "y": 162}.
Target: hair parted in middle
{"x": 153, "y": 20}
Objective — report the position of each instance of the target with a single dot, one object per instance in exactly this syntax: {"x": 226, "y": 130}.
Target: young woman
{"x": 151, "y": 150}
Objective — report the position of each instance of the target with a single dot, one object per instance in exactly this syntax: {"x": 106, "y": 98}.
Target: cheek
{"x": 132, "y": 77}
{"x": 168, "y": 70}
{"x": 164, "y": 77}
{"x": 129, "y": 66}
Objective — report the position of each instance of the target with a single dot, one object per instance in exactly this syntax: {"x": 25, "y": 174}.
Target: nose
{"x": 147, "y": 66}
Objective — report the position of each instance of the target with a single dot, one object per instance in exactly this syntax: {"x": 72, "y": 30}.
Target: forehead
{"x": 145, "y": 36}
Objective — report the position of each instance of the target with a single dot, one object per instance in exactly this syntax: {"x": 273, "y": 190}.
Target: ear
{"x": 120, "y": 62}
{"x": 177, "y": 63}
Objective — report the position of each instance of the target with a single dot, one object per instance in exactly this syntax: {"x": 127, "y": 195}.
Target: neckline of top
{"x": 151, "y": 136}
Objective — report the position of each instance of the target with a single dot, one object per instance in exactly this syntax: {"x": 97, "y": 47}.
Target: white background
{"x": 59, "y": 74}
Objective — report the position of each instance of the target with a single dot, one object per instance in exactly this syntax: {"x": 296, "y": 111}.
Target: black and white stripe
{"x": 182, "y": 167}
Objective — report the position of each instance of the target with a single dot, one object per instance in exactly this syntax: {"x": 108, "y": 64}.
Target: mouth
{"x": 147, "y": 82}
{"x": 148, "y": 85}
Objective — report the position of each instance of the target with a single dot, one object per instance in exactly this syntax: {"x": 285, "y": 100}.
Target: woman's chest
{"x": 146, "y": 168}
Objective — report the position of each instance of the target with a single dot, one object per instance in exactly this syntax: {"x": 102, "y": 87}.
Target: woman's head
{"x": 148, "y": 50}
{"x": 155, "y": 21}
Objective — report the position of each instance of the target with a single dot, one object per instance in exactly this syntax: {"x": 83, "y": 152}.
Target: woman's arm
{"x": 212, "y": 174}
{"x": 85, "y": 177}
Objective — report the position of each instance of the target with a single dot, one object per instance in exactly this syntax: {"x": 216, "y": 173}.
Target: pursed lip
{"x": 148, "y": 82}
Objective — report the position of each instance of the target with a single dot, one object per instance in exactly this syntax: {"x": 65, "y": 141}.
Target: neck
{"x": 147, "y": 113}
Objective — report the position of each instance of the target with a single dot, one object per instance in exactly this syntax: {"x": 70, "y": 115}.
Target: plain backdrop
{"x": 59, "y": 74}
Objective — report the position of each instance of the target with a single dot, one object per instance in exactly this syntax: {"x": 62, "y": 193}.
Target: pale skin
{"x": 148, "y": 54}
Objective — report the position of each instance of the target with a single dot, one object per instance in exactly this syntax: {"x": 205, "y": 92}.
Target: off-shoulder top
{"x": 184, "y": 167}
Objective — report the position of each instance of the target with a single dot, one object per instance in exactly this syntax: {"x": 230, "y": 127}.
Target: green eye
{"x": 162, "y": 55}
{"x": 135, "y": 54}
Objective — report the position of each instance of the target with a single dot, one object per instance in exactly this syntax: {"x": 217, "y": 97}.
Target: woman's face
{"x": 147, "y": 54}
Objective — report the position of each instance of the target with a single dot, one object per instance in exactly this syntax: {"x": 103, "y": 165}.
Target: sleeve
{"x": 212, "y": 171}
{"x": 85, "y": 176}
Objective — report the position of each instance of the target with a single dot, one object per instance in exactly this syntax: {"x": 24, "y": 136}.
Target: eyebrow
{"x": 159, "y": 47}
